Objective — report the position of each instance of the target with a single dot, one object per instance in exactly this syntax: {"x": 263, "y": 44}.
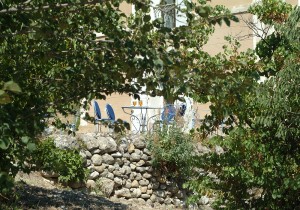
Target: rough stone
{"x": 173, "y": 188}
{"x": 134, "y": 184}
{"x": 168, "y": 201}
{"x": 119, "y": 161}
{"x": 118, "y": 181}
{"x": 136, "y": 193}
{"x": 88, "y": 154}
{"x": 160, "y": 200}
{"x": 100, "y": 169}
{"x": 124, "y": 192}
{"x": 139, "y": 152}
{"x": 117, "y": 173}
{"x": 83, "y": 155}
{"x": 122, "y": 170}
{"x": 135, "y": 157}
{"x": 128, "y": 184}
{"x": 204, "y": 200}
{"x": 132, "y": 166}
{"x": 145, "y": 196}
{"x": 126, "y": 156}
{"x": 153, "y": 198}
{"x": 107, "y": 145}
{"x": 155, "y": 185}
{"x": 140, "y": 169}
{"x": 131, "y": 148}
{"x": 180, "y": 194}
{"x": 110, "y": 175}
{"x": 127, "y": 169}
{"x": 106, "y": 186}
{"x": 147, "y": 152}
{"x": 202, "y": 149}
{"x": 116, "y": 155}
{"x": 160, "y": 193}
{"x": 132, "y": 176}
{"x": 138, "y": 176}
{"x": 123, "y": 148}
{"x": 149, "y": 169}
{"x": 219, "y": 150}
{"x": 140, "y": 163}
{"x": 90, "y": 184}
{"x": 147, "y": 175}
{"x": 108, "y": 159}
{"x": 177, "y": 202}
{"x": 90, "y": 141}
{"x": 141, "y": 201}
{"x": 143, "y": 189}
{"x": 145, "y": 157}
{"x": 49, "y": 174}
{"x": 111, "y": 168}
{"x": 144, "y": 182}
{"x": 94, "y": 175}
{"x": 139, "y": 144}
{"x": 96, "y": 151}
{"x": 163, "y": 186}
{"x": 96, "y": 159}
{"x": 149, "y": 192}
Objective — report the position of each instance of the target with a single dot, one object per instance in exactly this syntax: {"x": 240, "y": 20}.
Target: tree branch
{"x": 28, "y": 9}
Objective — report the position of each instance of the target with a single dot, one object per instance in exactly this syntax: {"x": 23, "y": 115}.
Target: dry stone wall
{"x": 124, "y": 169}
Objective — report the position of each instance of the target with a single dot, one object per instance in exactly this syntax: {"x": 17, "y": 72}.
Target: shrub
{"x": 171, "y": 150}
{"x": 67, "y": 163}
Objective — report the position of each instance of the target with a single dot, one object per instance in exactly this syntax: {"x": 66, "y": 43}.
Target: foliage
{"x": 260, "y": 166}
{"x": 67, "y": 163}
{"x": 171, "y": 150}
{"x": 271, "y": 12}
{"x": 180, "y": 47}
{"x": 52, "y": 51}
{"x": 236, "y": 74}
{"x": 273, "y": 48}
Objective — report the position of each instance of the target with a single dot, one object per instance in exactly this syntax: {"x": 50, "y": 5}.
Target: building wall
{"x": 238, "y": 30}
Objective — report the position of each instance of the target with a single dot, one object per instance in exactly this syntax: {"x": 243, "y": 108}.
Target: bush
{"x": 67, "y": 163}
{"x": 171, "y": 150}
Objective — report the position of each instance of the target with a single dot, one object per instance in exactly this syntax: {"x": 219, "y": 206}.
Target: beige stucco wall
{"x": 214, "y": 46}
{"x": 126, "y": 8}
{"x": 238, "y": 30}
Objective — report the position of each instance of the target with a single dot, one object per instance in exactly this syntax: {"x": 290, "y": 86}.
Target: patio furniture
{"x": 98, "y": 117}
{"x": 167, "y": 117}
{"x": 142, "y": 118}
{"x": 113, "y": 122}
{"x": 182, "y": 109}
{"x": 110, "y": 112}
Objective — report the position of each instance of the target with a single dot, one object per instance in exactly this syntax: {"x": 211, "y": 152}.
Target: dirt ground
{"x": 36, "y": 192}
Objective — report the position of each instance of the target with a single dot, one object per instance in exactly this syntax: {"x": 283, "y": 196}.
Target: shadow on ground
{"x": 31, "y": 197}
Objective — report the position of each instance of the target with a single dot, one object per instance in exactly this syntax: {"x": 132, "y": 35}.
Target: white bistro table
{"x": 141, "y": 116}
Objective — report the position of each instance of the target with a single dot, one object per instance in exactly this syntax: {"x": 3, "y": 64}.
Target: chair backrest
{"x": 110, "y": 112}
{"x": 182, "y": 109}
{"x": 97, "y": 110}
{"x": 168, "y": 113}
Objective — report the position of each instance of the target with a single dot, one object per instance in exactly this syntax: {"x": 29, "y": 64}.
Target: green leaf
{"x": 4, "y": 98}
{"x": 25, "y": 139}
{"x": 12, "y": 86}
{"x": 227, "y": 21}
{"x": 159, "y": 63}
{"x": 147, "y": 18}
{"x": 31, "y": 146}
{"x": 4, "y": 143}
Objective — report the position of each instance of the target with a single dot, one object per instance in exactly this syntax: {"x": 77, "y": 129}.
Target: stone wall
{"x": 123, "y": 169}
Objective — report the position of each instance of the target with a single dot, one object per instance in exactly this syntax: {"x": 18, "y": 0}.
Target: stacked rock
{"x": 125, "y": 171}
